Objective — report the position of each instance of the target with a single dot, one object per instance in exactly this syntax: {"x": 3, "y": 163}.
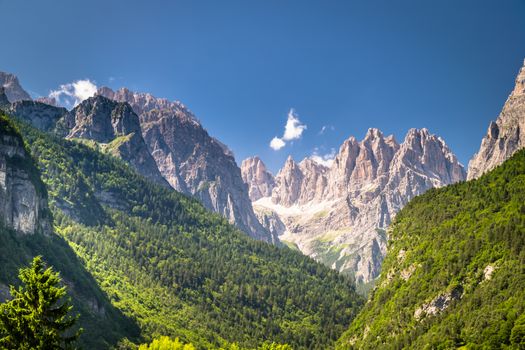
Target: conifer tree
{"x": 37, "y": 316}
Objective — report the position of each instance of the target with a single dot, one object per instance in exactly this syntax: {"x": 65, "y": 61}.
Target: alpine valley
{"x": 156, "y": 231}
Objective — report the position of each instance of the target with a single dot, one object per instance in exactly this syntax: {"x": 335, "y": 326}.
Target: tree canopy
{"x": 38, "y": 315}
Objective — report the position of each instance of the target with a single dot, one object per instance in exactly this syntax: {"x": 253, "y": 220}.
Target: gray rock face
{"x": 4, "y": 101}
{"x": 116, "y": 127}
{"x": 23, "y": 203}
{"x": 191, "y": 161}
{"x": 506, "y": 135}
{"x": 339, "y": 215}
{"x": 40, "y": 115}
{"x": 439, "y": 304}
{"x": 259, "y": 180}
{"x": 12, "y": 87}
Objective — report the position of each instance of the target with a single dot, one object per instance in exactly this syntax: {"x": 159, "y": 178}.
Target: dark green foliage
{"x": 451, "y": 238}
{"x": 37, "y": 316}
{"x": 180, "y": 270}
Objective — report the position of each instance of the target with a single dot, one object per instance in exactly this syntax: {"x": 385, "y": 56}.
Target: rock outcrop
{"x": 12, "y": 87}
{"x": 339, "y": 215}
{"x": 23, "y": 198}
{"x": 38, "y": 114}
{"x": 506, "y": 135}
{"x": 4, "y": 101}
{"x": 191, "y": 160}
{"x": 259, "y": 179}
{"x": 116, "y": 128}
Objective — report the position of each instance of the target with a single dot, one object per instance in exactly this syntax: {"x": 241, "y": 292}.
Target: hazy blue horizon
{"x": 242, "y": 66}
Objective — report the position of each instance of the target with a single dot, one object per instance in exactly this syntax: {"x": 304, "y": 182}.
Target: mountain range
{"x": 338, "y": 214}
{"x": 117, "y": 193}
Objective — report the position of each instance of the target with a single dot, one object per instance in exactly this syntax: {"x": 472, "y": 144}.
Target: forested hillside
{"x": 179, "y": 270}
{"x": 454, "y": 275}
{"x": 103, "y": 324}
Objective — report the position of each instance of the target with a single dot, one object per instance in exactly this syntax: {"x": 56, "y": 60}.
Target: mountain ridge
{"x": 191, "y": 160}
{"x": 338, "y": 214}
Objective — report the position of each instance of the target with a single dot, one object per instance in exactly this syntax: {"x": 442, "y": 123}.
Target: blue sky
{"x": 240, "y": 66}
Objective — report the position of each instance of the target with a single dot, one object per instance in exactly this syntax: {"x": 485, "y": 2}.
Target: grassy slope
{"x": 449, "y": 236}
{"x": 180, "y": 270}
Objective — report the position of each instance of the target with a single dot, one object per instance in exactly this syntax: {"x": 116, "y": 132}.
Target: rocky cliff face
{"x": 12, "y": 87}
{"x": 506, "y": 135}
{"x": 339, "y": 215}
{"x": 191, "y": 161}
{"x": 23, "y": 200}
{"x": 38, "y": 114}
{"x": 258, "y": 178}
{"x": 116, "y": 127}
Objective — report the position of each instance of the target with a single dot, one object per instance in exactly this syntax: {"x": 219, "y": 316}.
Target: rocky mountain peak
{"x": 427, "y": 153}
{"x": 519, "y": 87}
{"x": 373, "y": 134}
{"x": 38, "y": 114}
{"x": 101, "y": 119}
{"x": 391, "y": 141}
{"x": 13, "y": 90}
{"x": 288, "y": 183}
{"x": 48, "y": 101}
{"x": 145, "y": 102}
{"x": 191, "y": 160}
{"x": 309, "y": 163}
{"x": 116, "y": 127}
{"x": 504, "y": 136}
{"x": 259, "y": 180}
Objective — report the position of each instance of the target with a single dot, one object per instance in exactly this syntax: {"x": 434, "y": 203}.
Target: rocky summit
{"x": 339, "y": 214}
{"x": 41, "y": 115}
{"x": 258, "y": 178}
{"x": 116, "y": 128}
{"x": 191, "y": 160}
{"x": 12, "y": 87}
{"x": 505, "y": 136}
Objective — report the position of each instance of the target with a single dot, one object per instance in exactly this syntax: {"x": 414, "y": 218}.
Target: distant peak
{"x": 105, "y": 91}
{"x": 519, "y": 87}
{"x": 418, "y": 132}
{"x": 13, "y": 90}
{"x": 390, "y": 138}
{"x": 48, "y": 101}
{"x": 373, "y": 133}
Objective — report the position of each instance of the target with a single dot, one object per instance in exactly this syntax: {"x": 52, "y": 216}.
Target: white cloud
{"x": 323, "y": 159}
{"x": 71, "y": 94}
{"x": 293, "y": 130}
{"x": 277, "y": 143}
